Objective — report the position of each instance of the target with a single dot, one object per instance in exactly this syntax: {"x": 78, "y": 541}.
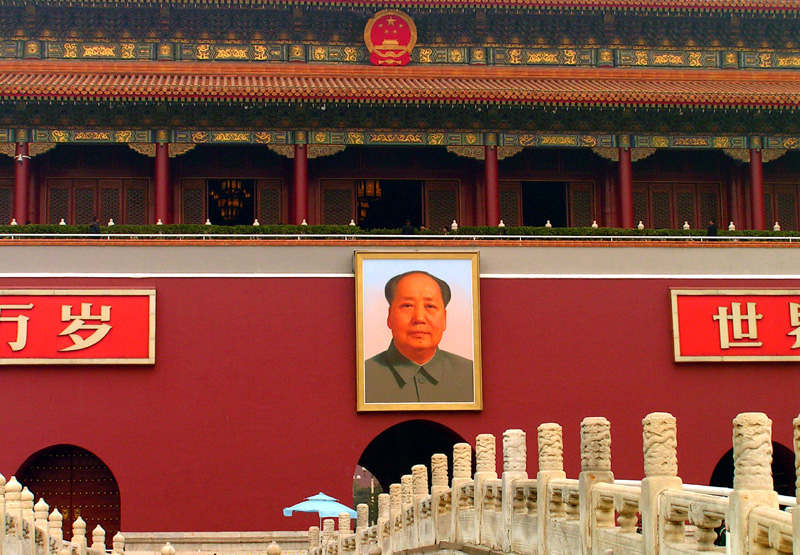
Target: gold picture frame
{"x": 418, "y": 331}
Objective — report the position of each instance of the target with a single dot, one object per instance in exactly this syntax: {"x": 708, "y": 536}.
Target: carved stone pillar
{"x": 486, "y": 469}
{"x": 462, "y": 473}
{"x": 551, "y": 467}
{"x": 162, "y": 188}
{"x": 660, "y": 447}
{"x": 313, "y": 538}
{"x": 752, "y": 475}
{"x": 625, "y": 183}
{"x": 395, "y": 510}
{"x": 22, "y": 183}
{"x": 362, "y": 517}
{"x": 515, "y": 453}
{"x": 300, "y": 183}
{"x": 595, "y": 468}
{"x": 491, "y": 186}
{"x": 757, "y": 189}
{"x": 438, "y": 473}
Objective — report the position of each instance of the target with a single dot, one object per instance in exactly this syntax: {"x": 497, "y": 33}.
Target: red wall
{"x": 251, "y": 404}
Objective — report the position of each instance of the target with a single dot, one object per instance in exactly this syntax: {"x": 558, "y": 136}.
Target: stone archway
{"x": 77, "y": 483}
{"x": 395, "y": 450}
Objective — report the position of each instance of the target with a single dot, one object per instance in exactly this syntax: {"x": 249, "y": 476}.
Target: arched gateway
{"x": 77, "y": 483}
{"x": 395, "y": 450}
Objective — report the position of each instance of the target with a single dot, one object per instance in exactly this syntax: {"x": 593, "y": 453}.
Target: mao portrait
{"x": 418, "y": 331}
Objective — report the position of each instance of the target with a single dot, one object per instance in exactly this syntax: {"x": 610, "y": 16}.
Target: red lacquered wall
{"x": 251, "y": 403}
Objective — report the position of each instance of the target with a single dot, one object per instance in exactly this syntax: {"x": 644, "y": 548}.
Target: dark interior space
{"x": 542, "y": 201}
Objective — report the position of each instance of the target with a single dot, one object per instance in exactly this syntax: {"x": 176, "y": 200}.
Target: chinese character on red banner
{"x": 736, "y": 325}
{"x": 77, "y": 327}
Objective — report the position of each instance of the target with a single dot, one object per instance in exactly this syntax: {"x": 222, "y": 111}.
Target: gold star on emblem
{"x": 390, "y": 20}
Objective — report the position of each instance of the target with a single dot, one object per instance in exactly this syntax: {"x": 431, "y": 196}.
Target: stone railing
{"x": 593, "y": 515}
{"x": 33, "y": 530}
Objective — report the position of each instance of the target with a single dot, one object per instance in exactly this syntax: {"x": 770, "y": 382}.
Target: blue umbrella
{"x": 324, "y": 505}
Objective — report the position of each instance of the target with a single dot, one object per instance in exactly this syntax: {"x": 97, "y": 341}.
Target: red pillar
{"x": 757, "y": 188}
{"x": 22, "y": 183}
{"x": 625, "y": 188}
{"x": 300, "y": 183}
{"x": 741, "y": 199}
{"x": 162, "y": 183}
{"x": 492, "y": 187}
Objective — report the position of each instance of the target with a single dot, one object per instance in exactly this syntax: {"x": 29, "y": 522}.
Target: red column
{"x": 22, "y": 183}
{"x": 162, "y": 183}
{"x": 492, "y": 188}
{"x": 757, "y": 188}
{"x": 300, "y": 183}
{"x": 625, "y": 188}
{"x": 741, "y": 199}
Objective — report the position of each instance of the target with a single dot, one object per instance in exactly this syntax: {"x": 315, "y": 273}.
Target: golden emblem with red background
{"x": 390, "y": 36}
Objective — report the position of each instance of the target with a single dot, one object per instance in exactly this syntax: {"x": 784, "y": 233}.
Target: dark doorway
{"x": 76, "y": 483}
{"x": 230, "y": 201}
{"x": 783, "y": 471}
{"x": 393, "y": 452}
{"x": 542, "y": 201}
{"x": 388, "y": 203}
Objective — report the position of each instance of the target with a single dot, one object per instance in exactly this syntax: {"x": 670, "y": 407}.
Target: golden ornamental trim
{"x": 479, "y": 152}
{"x": 149, "y": 149}
{"x": 612, "y": 153}
{"x": 314, "y": 151}
{"x": 177, "y": 149}
{"x": 9, "y": 149}
{"x": 35, "y": 149}
{"x": 743, "y": 154}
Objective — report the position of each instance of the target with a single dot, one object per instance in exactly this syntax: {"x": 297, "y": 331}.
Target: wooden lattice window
{"x": 640, "y": 204}
{"x": 193, "y": 208}
{"x": 769, "y": 213}
{"x": 685, "y": 207}
{"x": 441, "y": 204}
{"x": 135, "y": 205}
{"x": 6, "y": 201}
{"x": 510, "y": 203}
{"x": 58, "y": 204}
{"x": 709, "y": 206}
{"x": 581, "y": 204}
{"x": 338, "y": 201}
{"x": 780, "y": 205}
{"x": 268, "y": 204}
{"x": 110, "y": 204}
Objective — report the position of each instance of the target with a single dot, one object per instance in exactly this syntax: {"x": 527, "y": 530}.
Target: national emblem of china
{"x": 390, "y": 36}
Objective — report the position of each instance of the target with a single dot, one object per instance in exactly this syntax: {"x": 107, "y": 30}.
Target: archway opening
{"x": 783, "y": 471}
{"x": 395, "y": 450}
{"x": 77, "y": 483}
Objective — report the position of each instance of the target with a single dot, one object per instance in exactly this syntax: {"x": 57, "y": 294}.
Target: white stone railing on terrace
{"x": 553, "y": 515}
{"x": 33, "y": 530}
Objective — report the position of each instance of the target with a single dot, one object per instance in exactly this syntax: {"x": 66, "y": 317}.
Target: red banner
{"x": 736, "y": 325}
{"x": 77, "y": 326}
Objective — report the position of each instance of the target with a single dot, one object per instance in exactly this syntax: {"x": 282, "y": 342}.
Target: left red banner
{"x": 74, "y": 326}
